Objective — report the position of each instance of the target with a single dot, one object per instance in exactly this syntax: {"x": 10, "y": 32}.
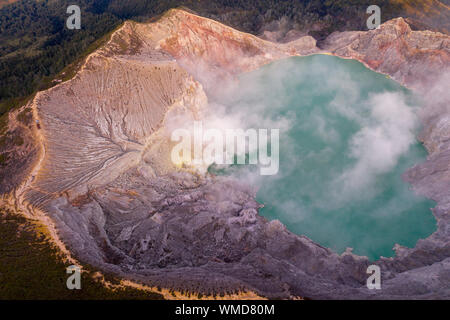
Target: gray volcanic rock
{"x": 414, "y": 58}
{"x": 109, "y": 126}
{"x": 106, "y": 180}
{"x": 196, "y": 233}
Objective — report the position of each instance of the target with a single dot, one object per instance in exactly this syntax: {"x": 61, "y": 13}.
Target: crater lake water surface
{"x": 347, "y": 134}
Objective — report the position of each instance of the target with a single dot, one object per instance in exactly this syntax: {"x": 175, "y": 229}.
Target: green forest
{"x": 31, "y": 267}
{"x": 35, "y": 44}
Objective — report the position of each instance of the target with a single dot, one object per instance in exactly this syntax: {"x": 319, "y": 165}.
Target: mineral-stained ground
{"x": 97, "y": 165}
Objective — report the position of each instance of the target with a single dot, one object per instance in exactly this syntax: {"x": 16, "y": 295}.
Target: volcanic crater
{"x": 98, "y": 169}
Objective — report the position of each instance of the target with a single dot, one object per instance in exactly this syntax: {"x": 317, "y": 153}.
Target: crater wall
{"x": 117, "y": 202}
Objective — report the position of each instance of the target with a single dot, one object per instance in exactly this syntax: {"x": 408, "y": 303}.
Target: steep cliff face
{"x": 430, "y": 12}
{"x": 209, "y": 49}
{"x": 414, "y": 58}
{"x": 105, "y": 179}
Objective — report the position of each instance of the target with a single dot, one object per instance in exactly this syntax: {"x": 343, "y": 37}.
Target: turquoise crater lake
{"x": 347, "y": 134}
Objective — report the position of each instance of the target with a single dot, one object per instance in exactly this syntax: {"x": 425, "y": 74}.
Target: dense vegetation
{"x": 35, "y": 45}
{"x": 30, "y": 267}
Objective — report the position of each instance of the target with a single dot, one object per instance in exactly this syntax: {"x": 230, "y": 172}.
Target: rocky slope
{"x": 104, "y": 176}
